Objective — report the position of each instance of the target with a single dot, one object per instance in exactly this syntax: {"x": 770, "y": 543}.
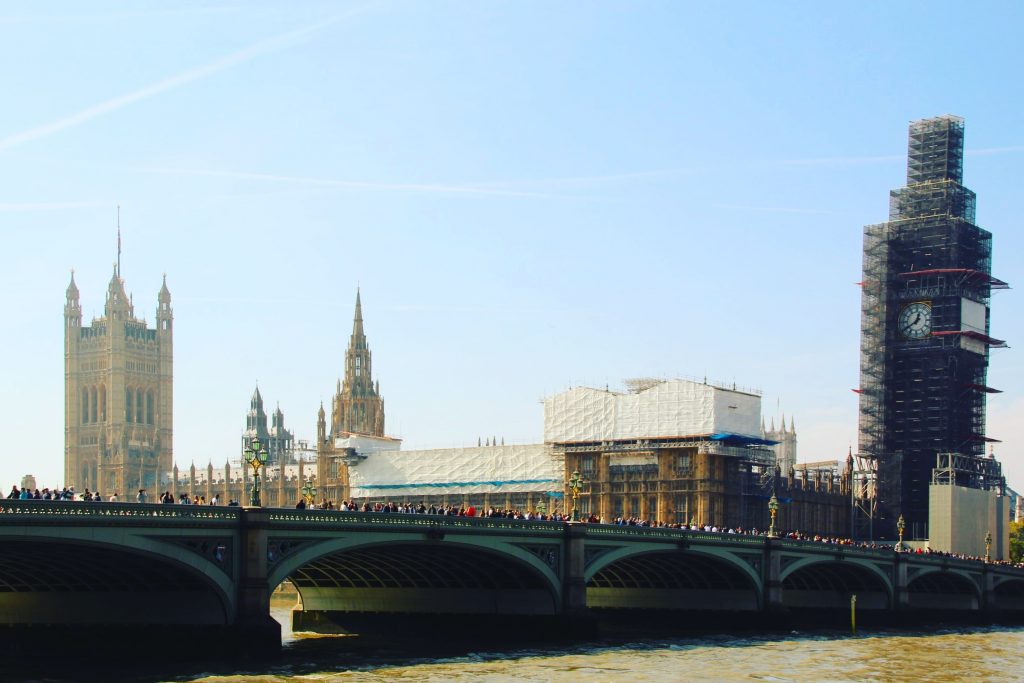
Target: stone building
{"x": 679, "y": 451}
{"x": 278, "y": 441}
{"x": 785, "y": 442}
{"x": 118, "y": 383}
{"x": 357, "y": 410}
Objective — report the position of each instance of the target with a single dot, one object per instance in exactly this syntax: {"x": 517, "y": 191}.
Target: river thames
{"x": 953, "y": 654}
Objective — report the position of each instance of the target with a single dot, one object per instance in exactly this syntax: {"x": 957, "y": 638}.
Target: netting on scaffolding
{"x": 920, "y": 395}
{"x": 672, "y": 408}
{"x": 935, "y": 150}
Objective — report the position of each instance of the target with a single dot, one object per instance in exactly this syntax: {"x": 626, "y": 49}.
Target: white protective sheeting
{"x": 365, "y": 444}
{"x": 456, "y": 471}
{"x": 668, "y": 409}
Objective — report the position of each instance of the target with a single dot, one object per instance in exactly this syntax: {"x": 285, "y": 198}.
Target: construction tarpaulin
{"x": 457, "y": 471}
{"x": 673, "y": 408}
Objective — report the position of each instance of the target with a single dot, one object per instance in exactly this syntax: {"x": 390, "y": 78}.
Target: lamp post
{"x": 901, "y": 525}
{"x": 308, "y": 492}
{"x": 773, "y": 509}
{"x": 575, "y": 482}
{"x": 255, "y": 455}
{"x": 988, "y": 546}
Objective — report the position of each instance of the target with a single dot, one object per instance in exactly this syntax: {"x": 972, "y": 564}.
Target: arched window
{"x": 92, "y": 406}
{"x": 149, "y": 407}
{"x": 129, "y": 400}
{"x": 139, "y": 415}
{"x": 85, "y": 405}
{"x": 103, "y": 403}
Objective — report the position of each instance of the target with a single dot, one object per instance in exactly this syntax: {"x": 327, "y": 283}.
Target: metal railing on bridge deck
{"x": 141, "y": 512}
{"x": 328, "y": 518}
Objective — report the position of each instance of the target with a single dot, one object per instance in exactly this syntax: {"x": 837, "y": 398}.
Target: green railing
{"x": 14, "y": 511}
{"x": 329, "y": 518}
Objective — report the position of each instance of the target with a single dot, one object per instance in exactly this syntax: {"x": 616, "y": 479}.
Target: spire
{"x": 72, "y": 309}
{"x": 119, "y": 240}
{"x": 164, "y": 296}
{"x": 321, "y": 415}
{"x": 256, "y": 402}
{"x": 773, "y": 425}
{"x": 782, "y": 427}
{"x": 72, "y": 290}
{"x": 792, "y": 425}
{"x": 357, "y": 322}
{"x": 117, "y": 304}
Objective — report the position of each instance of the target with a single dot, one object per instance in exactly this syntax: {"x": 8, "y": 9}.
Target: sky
{"x": 529, "y": 195}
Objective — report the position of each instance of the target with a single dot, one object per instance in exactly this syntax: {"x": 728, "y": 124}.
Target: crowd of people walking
{"x": 463, "y": 510}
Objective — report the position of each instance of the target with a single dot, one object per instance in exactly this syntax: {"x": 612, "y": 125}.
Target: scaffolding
{"x": 925, "y": 395}
{"x": 956, "y": 469}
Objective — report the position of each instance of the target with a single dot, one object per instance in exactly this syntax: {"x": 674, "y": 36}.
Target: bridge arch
{"x": 61, "y": 579}
{"x": 946, "y": 589}
{"x": 828, "y": 582}
{"x": 1009, "y": 594}
{"x": 411, "y": 574}
{"x": 659, "y": 577}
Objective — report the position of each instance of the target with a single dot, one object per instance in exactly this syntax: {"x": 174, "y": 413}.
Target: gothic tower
{"x": 785, "y": 449}
{"x": 278, "y": 441}
{"x": 358, "y": 407}
{"x": 925, "y": 329}
{"x": 118, "y": 382}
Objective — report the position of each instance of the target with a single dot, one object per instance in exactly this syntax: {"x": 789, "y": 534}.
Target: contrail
{"x": 50, "y": 206}
{"x": 350, "y": 184}
{"x": 234, "y": 59}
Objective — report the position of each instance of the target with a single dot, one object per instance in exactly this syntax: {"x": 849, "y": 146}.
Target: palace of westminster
{"x": 675, "y": 451}
{"x": 119, "y": 438}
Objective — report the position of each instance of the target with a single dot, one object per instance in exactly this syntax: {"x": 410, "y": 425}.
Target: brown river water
{"x": 955, "y": 654}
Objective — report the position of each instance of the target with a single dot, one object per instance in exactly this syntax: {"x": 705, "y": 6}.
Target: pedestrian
{"x": 141, "y": 498}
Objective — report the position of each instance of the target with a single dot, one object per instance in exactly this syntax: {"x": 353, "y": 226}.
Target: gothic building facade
{"x": 118, "y": 382}
{"x": 357, "y": 413}
{"x": 357, "y": 407}
{"x": 785, "y": 446}
{"x": 278, "y": 441}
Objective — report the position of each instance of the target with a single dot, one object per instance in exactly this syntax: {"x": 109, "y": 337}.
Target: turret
{"x": 321, "y": 425}
{"x": 164, "y": 314}
{"x": 117, "y": 306}
{"x": 72, "y": 307}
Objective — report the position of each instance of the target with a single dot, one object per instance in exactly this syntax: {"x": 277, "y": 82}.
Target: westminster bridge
{"x": 102, "y": 565}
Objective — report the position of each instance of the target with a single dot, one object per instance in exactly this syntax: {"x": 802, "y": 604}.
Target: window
{"x": 129, "y": 400}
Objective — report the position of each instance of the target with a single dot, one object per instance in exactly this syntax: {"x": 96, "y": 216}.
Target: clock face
{"x": 915, "y": 320}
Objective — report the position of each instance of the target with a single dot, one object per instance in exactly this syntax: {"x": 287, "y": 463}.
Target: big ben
{"x": 925, "y": 331}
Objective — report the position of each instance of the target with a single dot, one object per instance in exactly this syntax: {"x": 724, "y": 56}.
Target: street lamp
{"x": 255, "y": 455}
{"x": 901, "y": 525}
{"x": 988, "y": 546}
{"x": 309, "y": 492}
{"x": 575, "y": 482}
{"x": 773, "y": 509}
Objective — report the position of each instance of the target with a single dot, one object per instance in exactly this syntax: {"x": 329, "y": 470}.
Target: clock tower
{"x": 925, "y": 333}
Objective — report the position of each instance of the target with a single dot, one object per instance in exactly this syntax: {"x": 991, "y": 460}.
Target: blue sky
{"x": 531, "y": 195}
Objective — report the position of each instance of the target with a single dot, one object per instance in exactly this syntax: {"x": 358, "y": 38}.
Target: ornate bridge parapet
{"x": 218, "y": 566}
